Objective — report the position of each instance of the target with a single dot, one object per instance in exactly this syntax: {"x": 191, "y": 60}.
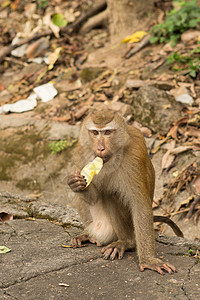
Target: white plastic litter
{"x": 46, "y": 92}
{"x": 21, "y": 105}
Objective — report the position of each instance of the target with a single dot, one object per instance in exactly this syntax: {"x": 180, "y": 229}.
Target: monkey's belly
{"x": 100, "y": 229}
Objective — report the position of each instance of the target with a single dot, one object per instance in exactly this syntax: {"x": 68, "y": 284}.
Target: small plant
{"x": 193, "y": 253}
{"x": 189, "y": 63}
{"x": 59, "y": 146}
{"x": 185, "y": 16}
{"x": 42, "y": 3}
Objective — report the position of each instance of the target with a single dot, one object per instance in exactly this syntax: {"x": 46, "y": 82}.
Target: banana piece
{"x": 91, "y": 169}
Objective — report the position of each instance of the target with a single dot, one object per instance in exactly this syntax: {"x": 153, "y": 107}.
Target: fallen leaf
{"x": 196, "y": 184}
{"x": 37, "y": 48}
{"x": 5, "y": 217}
{"x": 135, "y": 37}
{"x": 4, "y": 249}
{"x": 167, "y": 160}
{"x": 181, "y": 149}
{"x": 193, "y": 132}
{"x": 59, "y": 20}
{"x": 53, "y": 57}
{"x": 173, "y": 132}
{"x": 175, "y": 174}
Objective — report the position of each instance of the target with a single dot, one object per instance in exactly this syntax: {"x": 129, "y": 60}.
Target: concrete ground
{"x": 38, "y": 267}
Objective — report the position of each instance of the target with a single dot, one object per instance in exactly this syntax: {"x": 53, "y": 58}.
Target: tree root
{"x": 99, "y": 20}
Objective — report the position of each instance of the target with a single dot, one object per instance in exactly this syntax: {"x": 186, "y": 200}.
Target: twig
{"x": 16, "y": 61}
{"x": 91, "y": 12}
{"x": 190, "y": 212}
{"x": 142, "y": 44}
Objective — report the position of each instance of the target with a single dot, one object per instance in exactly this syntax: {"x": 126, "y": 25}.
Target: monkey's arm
{"x": 168, "y": 221}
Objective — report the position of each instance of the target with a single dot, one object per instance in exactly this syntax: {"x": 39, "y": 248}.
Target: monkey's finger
{"x": 121, "y": 253}
{"x": 106, "y": 252}
{"x": 166, "y": 268}
{"x": 158, "y": 269}
{"x": 75, "y": 179}
{"x": 73, "y": 243}
{"x": 114, "y": 254}
{"x": 153, "y": 268}
{"x": 78, "y": 186}
{"x": 169, "y": 267}
{"x": 79, "y": 242}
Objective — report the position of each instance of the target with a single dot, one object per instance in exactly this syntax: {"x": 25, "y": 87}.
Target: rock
{"x": 66, "y": 215}
{"x": 136, "y": 84}
{"x": 190, "y": 35}
{"x": 182, "y": 95}
{"x": 123, "y": 108}
{"x": 185, "y": 98}
{"x": 41, "y": 265}
{"x": 155, "y": 108}
{"x": 61, "y": 131}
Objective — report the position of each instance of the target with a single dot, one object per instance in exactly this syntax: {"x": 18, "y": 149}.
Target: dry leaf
{"x": 37, "y": 48}
{"x": 193, "y": 132}
{"x": 196, "y": 184}
{"x": 181, "y": 149}
{"x": 5, "y": 217}
{"x": 167, "y": 160}
{"x": 173, "y": 132}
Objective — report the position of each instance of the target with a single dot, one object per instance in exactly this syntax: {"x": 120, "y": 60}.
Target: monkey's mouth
{"x": 105, "y": 158}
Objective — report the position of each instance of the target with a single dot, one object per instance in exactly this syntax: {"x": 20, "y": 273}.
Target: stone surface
{"x": 155, "y": 108}
{"x": 38, "y": 267}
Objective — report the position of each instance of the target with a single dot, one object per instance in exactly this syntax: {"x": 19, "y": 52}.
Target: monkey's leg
{"x": 120, "y": 219}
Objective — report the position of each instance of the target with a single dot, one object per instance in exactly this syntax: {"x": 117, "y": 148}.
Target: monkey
{"x": 116, "y": 208}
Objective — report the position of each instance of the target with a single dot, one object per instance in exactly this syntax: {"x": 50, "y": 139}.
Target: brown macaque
{"x": 116, "y": 208}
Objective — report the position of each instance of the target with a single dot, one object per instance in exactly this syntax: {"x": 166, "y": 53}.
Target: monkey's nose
{"x": 101, "y": 148}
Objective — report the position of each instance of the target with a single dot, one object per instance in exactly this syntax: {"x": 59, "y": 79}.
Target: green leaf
{"x": 153, "y": 39}
{"x": 59, "y": 20}
{"x": 193, "y": 23}
{"x": 4, "y": 249}
{"x": 193, "y": 73}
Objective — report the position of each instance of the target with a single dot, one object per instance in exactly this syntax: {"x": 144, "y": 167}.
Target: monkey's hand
{"x": 157, "y": 265}
{"x": 77, "y": 182}
{"x": 114, "y": 249}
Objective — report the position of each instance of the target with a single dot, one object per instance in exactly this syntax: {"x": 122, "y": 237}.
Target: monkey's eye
{"x": 107, "y": 132}
{"x": 94, "y": 132}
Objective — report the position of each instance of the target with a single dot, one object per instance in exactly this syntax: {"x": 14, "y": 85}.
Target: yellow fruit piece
{"x": 91, "y": 169}
{"x": 135, "y": 37}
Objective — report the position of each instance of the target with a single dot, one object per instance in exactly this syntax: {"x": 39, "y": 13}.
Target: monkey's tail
{"x": 168, "y": 221}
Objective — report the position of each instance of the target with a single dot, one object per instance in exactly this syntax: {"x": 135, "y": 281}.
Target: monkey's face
{"x": 101, "y": 141}
{"x": 103, "y": 133}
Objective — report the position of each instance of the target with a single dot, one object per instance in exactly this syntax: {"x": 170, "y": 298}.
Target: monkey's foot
{"x": 158, "y": 267}
{"x": 113, "y": 250}
{"x": 77, "y": 240}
